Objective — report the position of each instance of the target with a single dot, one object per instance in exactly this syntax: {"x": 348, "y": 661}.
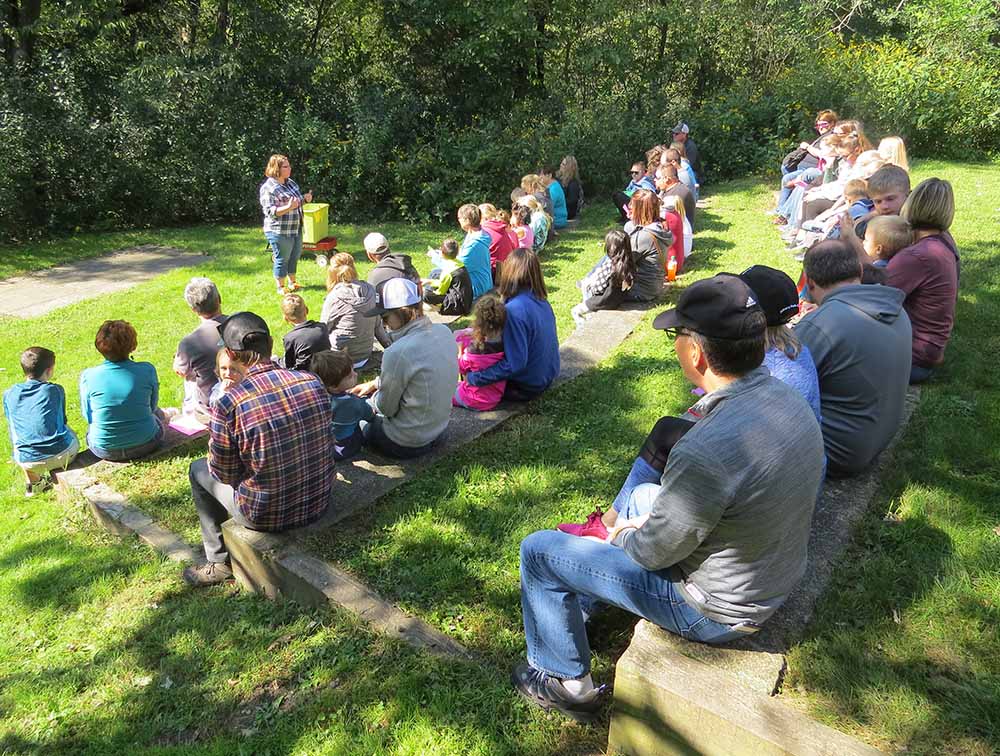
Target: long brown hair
{"x": 521, "y": 270}
{"x": 645, "y": 207}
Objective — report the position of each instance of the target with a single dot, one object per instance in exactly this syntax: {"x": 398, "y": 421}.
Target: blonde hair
{"x": 340, "y": 270}
{"x": 673, "y": 202}
{"x": 293, "y": 307}
{"x": 931, "y": 206}
{"x": 532, "y": 183}
{"x": 568, "y": 170}
{"x": 273, "y": 169}
{"x": 488, "y": 211}
{"x": 531, "y": 202}
{"x": 504, "y": 216}
{"x": 893, "y": 151}
{"x": 867, "y": 163}
{"x": 855, "y": 189}
{"x": 890, "y": 232}
{"x": 783, "y": 339}
{"x": 680, "y": 149}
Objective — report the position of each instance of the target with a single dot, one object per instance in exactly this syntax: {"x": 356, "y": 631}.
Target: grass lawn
{"x": 101, "y": 647}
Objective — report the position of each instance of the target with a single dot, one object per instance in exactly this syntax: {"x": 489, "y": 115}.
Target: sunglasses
{"x": 635, "y": 173}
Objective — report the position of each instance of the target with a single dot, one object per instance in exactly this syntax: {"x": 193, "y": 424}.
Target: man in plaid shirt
{"x": 270, "y": 453}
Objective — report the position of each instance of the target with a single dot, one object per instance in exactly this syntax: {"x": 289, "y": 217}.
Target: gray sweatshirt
{"x": 343, "y": 312}
{"x": 861, "y": 342}
{"x": 650, "y": 245}
{"x": 419, "y": 377}
{"x": 732, "y": 518}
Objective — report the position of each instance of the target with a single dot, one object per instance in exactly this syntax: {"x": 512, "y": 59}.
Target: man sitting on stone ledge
{"x": 859, "y": 337}
{"x": 712, "y": 552}
{"x": 270, "y": 452}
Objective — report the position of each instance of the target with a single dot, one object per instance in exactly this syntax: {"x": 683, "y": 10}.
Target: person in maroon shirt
{"x": 500, "y": 241}
{"x": 927, "y": 271}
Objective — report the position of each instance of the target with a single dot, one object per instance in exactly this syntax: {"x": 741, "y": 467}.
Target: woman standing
{"x": 281, "y": 201}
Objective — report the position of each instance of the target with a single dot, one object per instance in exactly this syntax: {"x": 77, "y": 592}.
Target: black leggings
{"x": 667, "y": 432}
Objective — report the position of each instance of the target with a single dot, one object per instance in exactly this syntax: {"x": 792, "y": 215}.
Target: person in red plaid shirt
{"x": 270, "y": 453}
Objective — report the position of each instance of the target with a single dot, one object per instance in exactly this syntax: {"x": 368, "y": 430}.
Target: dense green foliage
{"x": 117, "y": 113}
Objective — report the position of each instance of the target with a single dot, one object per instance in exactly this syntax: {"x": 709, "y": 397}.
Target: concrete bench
{"x": 672, "y": 696}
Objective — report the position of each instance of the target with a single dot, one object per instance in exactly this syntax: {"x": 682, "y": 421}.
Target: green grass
{"x": 92, "y": 629}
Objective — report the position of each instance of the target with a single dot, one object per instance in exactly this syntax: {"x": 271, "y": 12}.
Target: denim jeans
{"x": 376, "y": 438}
{"x": 558, "y": 570}
{"x": 285, "y": 253}
{"x": 130, "y": 452}
{"x": 215, "y": 503}
{"x": 805, "y": 174}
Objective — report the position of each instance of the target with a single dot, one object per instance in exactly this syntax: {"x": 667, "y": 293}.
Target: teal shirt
{"x": 475, "y": 256}
{"x": 118, "y": 400}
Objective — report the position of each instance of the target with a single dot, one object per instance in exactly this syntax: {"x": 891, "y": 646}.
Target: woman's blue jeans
{"x": 559, "y": 570}
{"x": 285, "y": 253}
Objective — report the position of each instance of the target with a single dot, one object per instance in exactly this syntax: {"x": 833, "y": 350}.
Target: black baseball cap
{"x": 776, "y": 293}
{"x": 721, "y": 307}
{"x": 244, "y": 331}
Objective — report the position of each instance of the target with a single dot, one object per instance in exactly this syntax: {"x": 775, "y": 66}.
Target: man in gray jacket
{"x": 712, "y": 552}
{"x": 860, "y": 339}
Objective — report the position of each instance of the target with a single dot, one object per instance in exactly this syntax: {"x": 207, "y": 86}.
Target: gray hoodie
{"x": 650, "y": 245}
{"x": 343, "y": 312}
{"x": 419, "y": 377}
{"x": 860, "y": 340}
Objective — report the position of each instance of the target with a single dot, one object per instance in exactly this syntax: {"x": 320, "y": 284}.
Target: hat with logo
{"x": 681, "y": 128}
{"x": 721, "y": 307}
{"x": 396, "y": 292}
{"x": 376, "y": 244}
{"x": 776, "y": 293}
{"x": 245, "y": 331}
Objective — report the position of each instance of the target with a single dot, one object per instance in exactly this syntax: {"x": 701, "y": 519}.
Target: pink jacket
{"x": 481, "y": 398}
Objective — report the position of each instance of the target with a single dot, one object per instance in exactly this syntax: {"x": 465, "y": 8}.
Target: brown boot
{"x": 210, "y": 573}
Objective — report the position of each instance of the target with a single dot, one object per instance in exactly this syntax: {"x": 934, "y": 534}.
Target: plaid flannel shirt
{"x": 270, "y": 440}
{"x": 273, "y": 195}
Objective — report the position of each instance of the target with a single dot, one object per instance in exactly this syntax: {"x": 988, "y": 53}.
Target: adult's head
{"x": 778, "y": 298}
{"x": 521, "y": 271}
{"x": 116, "y": 340}
{"x": 638, "y": 170}
{"x": 203, "y": 297}
{"x": 645, "y": 207}
{"x": 37, "y": 362}
{"x": 376, "y": 246}
{"x": 681, "y": 132}
{"x": 888, "y": 188}
{"x": 568, "y": 170}
{"x": 931, "y": 206}
{"x": 279, "y": 167}
{"x": 654, "y": 156}
{"x": 679, "y": 148}
{"x": 825, "y": 120}
{"x": 469, "y": 216}
{"x": 893, "y": 150}
{"x": 830, "y": 265}
{"x": 547, "y": 173}
{"x": 398, "y": 302}
{"x": 855, "y": 129}
{"x": 247, "y": 338}
{"x": 340, "y": 270}
{"x": 668, "y": 171}
{"x": 719, "y": 330}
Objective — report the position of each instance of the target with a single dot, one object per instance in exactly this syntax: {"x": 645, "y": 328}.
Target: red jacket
{"x": 676, "y": 225}
{"x": 500, "y": 240}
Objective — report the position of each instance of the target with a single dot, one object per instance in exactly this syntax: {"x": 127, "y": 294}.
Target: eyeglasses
{"x": 676, "y": 333}
{"x": 635, "y": 173}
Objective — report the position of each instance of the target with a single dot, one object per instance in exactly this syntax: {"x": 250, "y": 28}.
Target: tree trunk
{"x": 540, "y": 17}
{"x": 19, "y": 38}
{"x": 221, "y": 23}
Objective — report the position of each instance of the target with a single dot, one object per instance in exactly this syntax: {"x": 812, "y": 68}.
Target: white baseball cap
{"x": 376, "y": 244}
{"x": 681, "y": 128}
{"x": 396, "y": 292}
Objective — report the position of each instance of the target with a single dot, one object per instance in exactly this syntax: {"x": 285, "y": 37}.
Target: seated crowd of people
{"x": 707, "y": 536}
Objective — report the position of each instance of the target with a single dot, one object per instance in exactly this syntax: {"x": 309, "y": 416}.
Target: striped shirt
{"x": 270, "y": 440}
{"x": 273, "y": 195}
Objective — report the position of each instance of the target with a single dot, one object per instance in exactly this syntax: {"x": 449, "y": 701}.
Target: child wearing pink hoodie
{"x": 481, "y": 347}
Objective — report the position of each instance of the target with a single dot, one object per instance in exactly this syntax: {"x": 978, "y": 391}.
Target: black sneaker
{"x": 548, "y": 692}
{"x": 35, "y": 488}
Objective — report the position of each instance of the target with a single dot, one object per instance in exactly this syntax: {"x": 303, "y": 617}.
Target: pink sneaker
{"x": 593, "y": 527}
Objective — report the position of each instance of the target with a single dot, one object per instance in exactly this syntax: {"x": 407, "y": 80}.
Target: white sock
{"x": 580, "y": 687}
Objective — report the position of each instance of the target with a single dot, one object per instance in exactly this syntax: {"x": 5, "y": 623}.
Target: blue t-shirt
{"x": 36, "y": 419}
{"x": 558, "y": 197}
{"x": 799, "y": 373}
{"x": 118, "y": 400}
{"x": 348, "y": 411}
{"x": 475, "y": 255}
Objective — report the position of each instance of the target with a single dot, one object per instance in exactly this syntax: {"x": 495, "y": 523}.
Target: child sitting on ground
{"x": 521, "y": 225}
{"x": 336, "y": 370}
{"x": 886, "y": 235}
{"x": 229, "y": 373}
{"x": 36, "y": 418}
{"x": 541, "y": 222}
{"x": 449, "y": 286}
{"x": 306, "y": 337}
{"x": 605, "y": 286}
{"x": 348, "y": 304}
{"x": 481, "y": 347}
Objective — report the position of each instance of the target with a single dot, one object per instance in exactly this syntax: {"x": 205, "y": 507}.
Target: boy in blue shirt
{"x": 335, "y": 369}
{"x": 36, "y": 417}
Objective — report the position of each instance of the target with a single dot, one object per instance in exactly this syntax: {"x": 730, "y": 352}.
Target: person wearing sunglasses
{"x": 806, "y": 166}
{"x": 638, "y": 179}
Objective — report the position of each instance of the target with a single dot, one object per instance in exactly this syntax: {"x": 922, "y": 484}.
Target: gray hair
{"x": 202, "y": 296}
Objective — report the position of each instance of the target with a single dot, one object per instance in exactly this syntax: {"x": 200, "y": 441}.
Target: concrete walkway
{"x": 47, "y": 290}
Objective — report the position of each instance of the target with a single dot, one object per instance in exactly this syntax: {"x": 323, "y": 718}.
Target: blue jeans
{"x": 558, "y": 570}
{"x": 285, "y": 253}
{"x": 376, "y": 438}
{"x": 806, "y": 174}
{"x": 130, "y": 452}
